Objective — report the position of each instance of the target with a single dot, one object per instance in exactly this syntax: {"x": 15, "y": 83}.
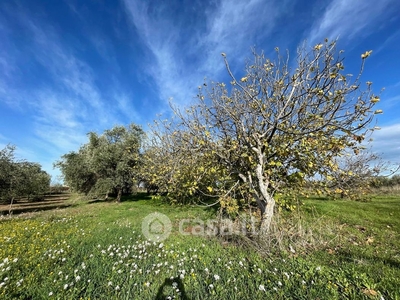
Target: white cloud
{"x": 237, "y": 26}
{"x": 388, "y": 42}
{"x": 125, "y": 105}
{"x": 160, "y": 36}
{"x": 67, "y": 103}
{"x": 386, "y": 142}
{"x": 179, "y": 66}
{"x": 348, "y": 19}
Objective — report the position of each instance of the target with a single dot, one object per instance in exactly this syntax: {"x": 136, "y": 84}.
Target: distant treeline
{"x": 20, "y": 178}
{"x": 384, "y": 181}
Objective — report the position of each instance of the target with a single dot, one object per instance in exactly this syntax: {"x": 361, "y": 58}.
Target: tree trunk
{"x": 268, "y": 203}
{"x": 266, "y": 217}
{"x": 10, "y": 210}
{"x": 119, "y": 195}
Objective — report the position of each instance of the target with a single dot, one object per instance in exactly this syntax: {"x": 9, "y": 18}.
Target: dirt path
{"x": 50, "y": 202}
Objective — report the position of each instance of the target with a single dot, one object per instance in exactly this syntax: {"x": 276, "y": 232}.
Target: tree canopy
{"x": 271, "y": 129}
{"x": 106, "y": 164}
{"x": 20, "y": 178}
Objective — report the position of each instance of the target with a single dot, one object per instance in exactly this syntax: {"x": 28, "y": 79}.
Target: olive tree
{"x": 279, "y": 124}
{"x": 76, "y": 172}
{"x": 33, "y": 182}
{"x": 106, "y": 163}
{"x": 20, "y": 178}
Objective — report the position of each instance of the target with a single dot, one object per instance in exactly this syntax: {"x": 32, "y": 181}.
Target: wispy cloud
{"x": 71, "y": 75}
{"x": 388, "y": 42}
{"x": 66, "y": 101}
{"x": 237, "y": 26}
{"x": 160, "y": 36}
{"x": 348, "y": 19}
{"x": 387, "y": 142}
{"x": 178, "y": 65}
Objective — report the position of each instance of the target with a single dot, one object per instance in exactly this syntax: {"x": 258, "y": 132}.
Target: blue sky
{"x": 74, "y": 66}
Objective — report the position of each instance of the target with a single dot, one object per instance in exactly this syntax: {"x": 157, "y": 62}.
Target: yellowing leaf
{"x": 210, "y": 189}
{"x": 370, "y": 292}
{"x": 318, "y": 47}
{"x": 366, "y": 54}
{"x": 375, "y": 99}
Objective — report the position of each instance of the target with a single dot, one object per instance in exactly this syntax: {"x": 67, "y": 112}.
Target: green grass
{"x": 367, "y": 242}
{"x": 98, "y": 251}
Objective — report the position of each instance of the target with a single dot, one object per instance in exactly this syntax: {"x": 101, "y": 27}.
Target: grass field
{"x": 97, "y": 251}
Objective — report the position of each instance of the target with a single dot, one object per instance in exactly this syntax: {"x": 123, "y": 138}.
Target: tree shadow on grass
{"x": 136, "y": 197}
{"x": 170, "y": 285}
{"x": 124, "y": 198}
{"x": 350, "y": 257}
{"x": 16, "y": 211}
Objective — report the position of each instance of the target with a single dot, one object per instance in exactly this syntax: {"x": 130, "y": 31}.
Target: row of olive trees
{"x": 106, "y": 164}
{"x": 19, "y": 178}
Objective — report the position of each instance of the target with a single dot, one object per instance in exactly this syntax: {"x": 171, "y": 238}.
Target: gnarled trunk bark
{"x": 266, "y": 204}
{"x": 266, "y": 217}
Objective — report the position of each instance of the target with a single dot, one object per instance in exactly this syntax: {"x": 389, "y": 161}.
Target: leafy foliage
{"x": 20, "y": 178}
{"x": 270, "y": 131}
{"x": 106, "y": 163}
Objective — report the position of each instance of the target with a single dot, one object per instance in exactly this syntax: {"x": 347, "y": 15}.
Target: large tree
{"x": 280, "y": 123}
{"x": 20, "y": 178}
{"x": 106, "y": 163}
